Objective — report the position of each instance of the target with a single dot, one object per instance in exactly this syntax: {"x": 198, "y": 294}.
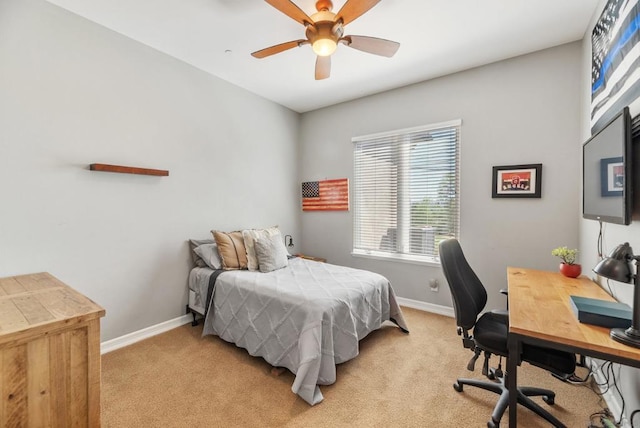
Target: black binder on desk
{"x": 601, "y": 312}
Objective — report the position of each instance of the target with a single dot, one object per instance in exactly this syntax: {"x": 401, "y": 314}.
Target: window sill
{"x": 416, "y": 260}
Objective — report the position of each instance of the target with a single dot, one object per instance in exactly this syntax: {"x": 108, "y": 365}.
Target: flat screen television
{"x": 607, "y": 182}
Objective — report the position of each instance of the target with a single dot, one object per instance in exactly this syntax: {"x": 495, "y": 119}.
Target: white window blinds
{"x": 406, "y": 191}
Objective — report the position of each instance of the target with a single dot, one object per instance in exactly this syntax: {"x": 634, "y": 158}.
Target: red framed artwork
{"x": 517, "y": 181}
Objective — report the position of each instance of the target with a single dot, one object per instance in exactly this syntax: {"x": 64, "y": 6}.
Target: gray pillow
{"x": 193, "y": 244}
{"x": 209, "y": 254}
{"x": 271, "y": 252}
{"x": 249, "y": 236}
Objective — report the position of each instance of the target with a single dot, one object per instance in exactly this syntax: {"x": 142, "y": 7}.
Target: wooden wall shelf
{"x": 127, "y": 169}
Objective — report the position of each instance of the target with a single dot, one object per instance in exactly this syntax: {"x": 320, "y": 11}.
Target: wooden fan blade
{"x": 291, "y": 10}
{"x": 323, "y": 67}
{"x": 372, "y": 45}
{"x": 353, "y": 9}
{"x": 272, "y": 50}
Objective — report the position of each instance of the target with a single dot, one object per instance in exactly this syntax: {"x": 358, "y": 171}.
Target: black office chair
{"x": 489, "y": 336}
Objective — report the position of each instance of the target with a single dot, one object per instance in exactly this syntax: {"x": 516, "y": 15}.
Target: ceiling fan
{"x": 325, "y": 29}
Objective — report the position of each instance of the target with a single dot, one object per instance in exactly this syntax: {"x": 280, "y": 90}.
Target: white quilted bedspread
{"x": 307, "y": 317}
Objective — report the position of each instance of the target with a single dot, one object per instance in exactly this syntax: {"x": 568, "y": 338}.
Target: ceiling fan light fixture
{"x": 325, "y": 29}
{"x": 324, "y": 47}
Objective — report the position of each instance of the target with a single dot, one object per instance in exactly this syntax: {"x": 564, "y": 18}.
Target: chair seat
{"x": 490, "y": 334}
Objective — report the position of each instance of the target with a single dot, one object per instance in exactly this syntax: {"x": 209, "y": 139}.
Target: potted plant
{"x": 568, "y": 267}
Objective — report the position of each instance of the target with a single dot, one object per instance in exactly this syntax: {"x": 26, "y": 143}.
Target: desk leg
{"x": 512, "y": 379}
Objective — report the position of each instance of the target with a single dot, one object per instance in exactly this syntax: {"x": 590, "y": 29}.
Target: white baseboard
{"x": 427, "y": 307}
{"x": 145, "y": 333}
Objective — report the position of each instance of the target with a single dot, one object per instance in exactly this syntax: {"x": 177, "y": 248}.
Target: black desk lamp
{"x": 619, "y": 267}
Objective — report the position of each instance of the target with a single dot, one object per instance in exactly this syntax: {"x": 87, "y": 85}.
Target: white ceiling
{"x": 437, "y": 37}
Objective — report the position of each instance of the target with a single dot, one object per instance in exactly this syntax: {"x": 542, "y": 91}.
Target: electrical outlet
{"x": 433, "y": 285}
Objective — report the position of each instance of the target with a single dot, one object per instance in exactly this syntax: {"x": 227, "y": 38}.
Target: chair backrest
{"x": 469, "y": 295}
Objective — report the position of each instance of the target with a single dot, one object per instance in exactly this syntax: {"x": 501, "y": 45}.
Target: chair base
{"x": 524, "y": 393}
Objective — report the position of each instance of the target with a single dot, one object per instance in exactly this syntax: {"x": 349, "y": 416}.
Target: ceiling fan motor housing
{"x": 324, "y": 27}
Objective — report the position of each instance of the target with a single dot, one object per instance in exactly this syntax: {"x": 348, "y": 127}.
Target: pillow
{"x": 271, "y": 253}
{"x": 209, "y": 254}
{"x": 250, "y": 236}
{"x": 231, "y": 249}
{"x": 193, "y": 244}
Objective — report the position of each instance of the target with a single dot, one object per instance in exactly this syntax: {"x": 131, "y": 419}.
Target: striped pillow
{"x": 231, "y": 249}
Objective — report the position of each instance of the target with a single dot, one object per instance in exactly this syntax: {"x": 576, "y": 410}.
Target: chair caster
{"x": 457, "y": 386}
{"x": 549, "y": 399}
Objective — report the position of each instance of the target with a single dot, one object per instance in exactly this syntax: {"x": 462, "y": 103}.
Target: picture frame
{"x": 611, "y": 176}
{"x": 326, "y": 195}
{"x": 517, "y": 181}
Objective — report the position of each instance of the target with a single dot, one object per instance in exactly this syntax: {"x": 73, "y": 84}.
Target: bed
{"x": 306, "y": 317}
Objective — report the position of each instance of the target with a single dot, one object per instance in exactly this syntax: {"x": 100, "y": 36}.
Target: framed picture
{"x": 517, "y": 181}
{"x": 326, "y": 195}
{"x": 611, "y": 176}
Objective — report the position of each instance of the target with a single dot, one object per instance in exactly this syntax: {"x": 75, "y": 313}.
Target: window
{"x": 406, "y": 191}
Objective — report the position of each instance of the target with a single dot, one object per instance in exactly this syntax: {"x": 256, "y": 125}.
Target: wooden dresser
{"x": 49, "y": 354}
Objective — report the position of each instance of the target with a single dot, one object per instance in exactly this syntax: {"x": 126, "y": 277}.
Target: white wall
{"x": 629, "y": 378}
{"x": 73, "y": 93}
{"x": 523, "y": 110}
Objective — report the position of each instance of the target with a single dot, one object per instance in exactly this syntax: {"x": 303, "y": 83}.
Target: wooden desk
{"x": 540, "y": 313}
{"x": 49, "y": 354}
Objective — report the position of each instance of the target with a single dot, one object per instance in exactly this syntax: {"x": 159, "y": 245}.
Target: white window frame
{"x": 403, "y": 220}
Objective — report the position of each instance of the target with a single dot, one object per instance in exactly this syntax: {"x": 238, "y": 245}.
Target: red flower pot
{"x": 571, "y": 271}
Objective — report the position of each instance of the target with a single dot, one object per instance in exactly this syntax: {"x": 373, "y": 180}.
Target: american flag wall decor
{"x": 615, "y": 52}
{"x": 326, "y": 195}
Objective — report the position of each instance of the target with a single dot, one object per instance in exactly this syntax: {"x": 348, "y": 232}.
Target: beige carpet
{"x": 180, "y": 379}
